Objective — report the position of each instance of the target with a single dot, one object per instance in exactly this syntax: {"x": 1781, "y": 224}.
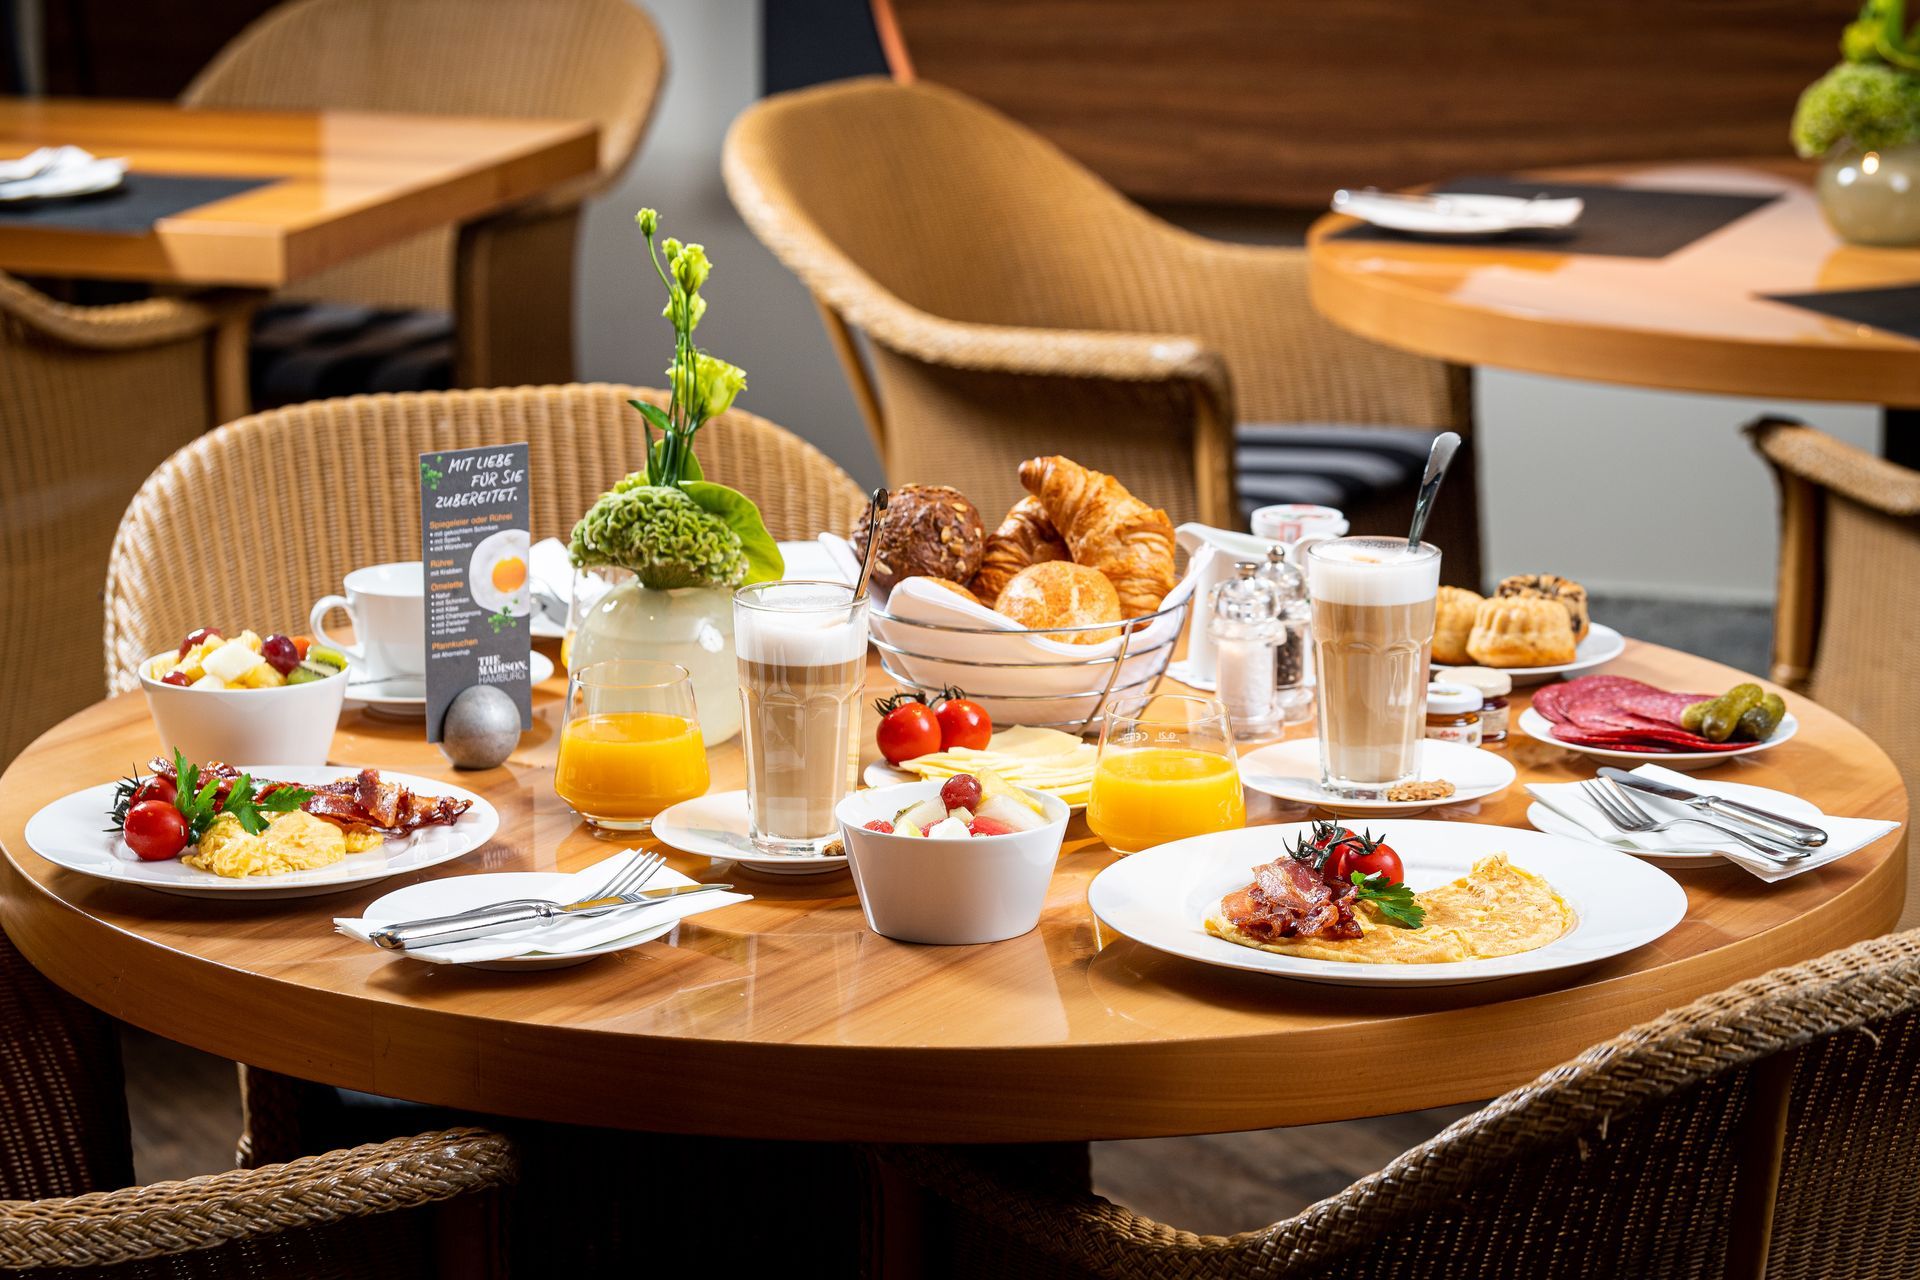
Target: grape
{"x": 961, "y": 791}
{"x": 201, "y": 636}
{"x": 280, "y": 653}
{"x": 175, "y": 677}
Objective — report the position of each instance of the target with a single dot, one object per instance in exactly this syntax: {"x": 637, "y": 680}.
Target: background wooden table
{"x": 785, "y": 1017}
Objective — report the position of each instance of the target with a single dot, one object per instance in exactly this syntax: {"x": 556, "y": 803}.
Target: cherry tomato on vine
{"x": 963, "y": 722}
{"x": 1369, "y": 857}
{"x": 908, "y": 728}
{"x": 155, "y": 788}
{"x": 156, "y": 830}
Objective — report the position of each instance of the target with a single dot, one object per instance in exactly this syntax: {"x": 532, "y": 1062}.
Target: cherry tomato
{"x": 908, "y": 729}
{"x": 155, "y": 788}
{"x": 961, "y": 791}
{"x": 964, "y": 723}
{"x": 1367, "y": 856}
{"x": 156, "y": 830}
{"x": 198, "y": 636}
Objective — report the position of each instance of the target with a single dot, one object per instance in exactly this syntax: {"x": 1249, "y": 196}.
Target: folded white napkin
{"x": 569, "y": 936}
{"x": 1456, "y": 212}
{"x": 58, "y": 171}
{"x": 1844, "y": 835}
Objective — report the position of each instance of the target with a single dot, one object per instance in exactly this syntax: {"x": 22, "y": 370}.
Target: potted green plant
{"x": 676, "y": 543}
{"x": 1863, "y": 118}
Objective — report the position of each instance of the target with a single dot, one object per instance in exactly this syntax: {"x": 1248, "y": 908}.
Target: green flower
{"x": 649, "y": 221}
{"x": 716, "y": 384}
{"x": 677, "y": 299}
{"x": 662, "y": 535}
{"x": 690, "y": 267}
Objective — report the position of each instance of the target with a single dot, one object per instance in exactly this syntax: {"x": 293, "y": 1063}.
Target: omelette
{"x": 1496, "y": 909}
{"x": 294, "y": 841}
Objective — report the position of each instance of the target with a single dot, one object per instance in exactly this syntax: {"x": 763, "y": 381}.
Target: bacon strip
{"x": 1289, "y": 899}
{"x": 362, "y": 800}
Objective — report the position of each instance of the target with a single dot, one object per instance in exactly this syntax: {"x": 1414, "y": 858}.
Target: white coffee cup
{"x": 387, "y": 603}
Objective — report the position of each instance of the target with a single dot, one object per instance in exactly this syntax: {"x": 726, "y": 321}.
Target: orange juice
{"x": 1146, "y": 796}
{"x": 627, "y": 766}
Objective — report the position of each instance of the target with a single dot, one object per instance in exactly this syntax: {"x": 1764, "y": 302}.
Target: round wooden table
{"x": 1694, "y": 320}
{"x": 785, "y": 1017}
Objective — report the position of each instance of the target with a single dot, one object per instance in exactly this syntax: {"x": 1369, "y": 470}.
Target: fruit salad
{"x": 208, "y": 660}
{"x": 968, "y": 805}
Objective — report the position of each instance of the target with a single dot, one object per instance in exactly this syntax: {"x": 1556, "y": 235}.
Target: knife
{"x": 435, "y": 931}
{"x": 1773, "y": 824}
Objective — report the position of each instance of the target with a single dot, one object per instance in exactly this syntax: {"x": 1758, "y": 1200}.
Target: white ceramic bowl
{"x": 290, "y": 725}
{"x": 948, "y": 891}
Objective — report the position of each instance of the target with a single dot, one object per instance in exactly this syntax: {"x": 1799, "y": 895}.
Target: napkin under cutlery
{"x": 566, "y": 936}
{"x": 1844, "y": 835}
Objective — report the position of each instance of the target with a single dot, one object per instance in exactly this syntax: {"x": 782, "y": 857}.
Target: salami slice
{"x": 1656, "y": 704}
{"x": 1656, "y": 739}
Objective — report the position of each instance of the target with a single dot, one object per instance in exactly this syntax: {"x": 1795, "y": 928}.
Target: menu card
{"x": 474, "y": 545}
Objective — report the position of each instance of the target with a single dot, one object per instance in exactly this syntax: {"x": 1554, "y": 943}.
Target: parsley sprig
{"x": 1394, "y": 901}
{"x": 199, "y": 801}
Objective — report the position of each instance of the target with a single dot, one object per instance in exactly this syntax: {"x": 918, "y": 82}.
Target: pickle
{"x": 1760, "y": 720}
{"x": 1718, "y": 721}
{"x": 1690, "y": 718}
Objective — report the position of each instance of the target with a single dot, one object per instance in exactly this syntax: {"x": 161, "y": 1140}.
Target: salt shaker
{"x": 1293, "y": 647}
{"x": 1243, "y": 622}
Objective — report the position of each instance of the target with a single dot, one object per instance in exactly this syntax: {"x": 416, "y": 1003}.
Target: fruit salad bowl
{"x": 288, "y": 724}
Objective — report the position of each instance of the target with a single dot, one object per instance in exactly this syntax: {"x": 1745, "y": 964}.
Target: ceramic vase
{"x": 691, "y": 626}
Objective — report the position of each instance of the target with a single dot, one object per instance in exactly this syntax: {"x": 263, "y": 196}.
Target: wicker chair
{"x": 1849, "y": 590}
{"x": 411, "y": 1207}
{"x": 508, "y": 279}
{"x": 332, "y": 485}
{"x": 92, "y": 399}
{"x": 1770, "y": 1129}
{"x": 1013, "y": 303}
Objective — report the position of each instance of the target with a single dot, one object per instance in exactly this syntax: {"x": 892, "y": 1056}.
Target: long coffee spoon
{"x": 1438, "y": 458}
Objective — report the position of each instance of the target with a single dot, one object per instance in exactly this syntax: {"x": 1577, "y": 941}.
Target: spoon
{"x": 1444, "y": 446}
{"x": 878, "y": 504}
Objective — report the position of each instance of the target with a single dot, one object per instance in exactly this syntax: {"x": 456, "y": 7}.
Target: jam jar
{"x": 1453, "y": 714}
{"x": 1494, "y": 686}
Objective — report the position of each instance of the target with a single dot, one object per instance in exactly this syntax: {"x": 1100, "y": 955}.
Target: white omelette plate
{"x": 1160, "y": 897}
{"x": 1782, "y": 802}
{"x": 715, "y": 826}
{"x": 882, "y": 774}
{"x": 1535, "y": 725}
{"x": 405, "y": 697}
{"x": 70, "y": 833}
{"x": 1602, "y": 645}
{"x": 1291, "y": 771}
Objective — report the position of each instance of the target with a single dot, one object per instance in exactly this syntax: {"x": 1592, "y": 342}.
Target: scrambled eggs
{"x": 1497, "y": 909}
{"x": 295, "y": 841}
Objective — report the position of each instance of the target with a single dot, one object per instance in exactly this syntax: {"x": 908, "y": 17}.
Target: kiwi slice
{"x": 304, "y": 674}
{"x": 324, "y": 656}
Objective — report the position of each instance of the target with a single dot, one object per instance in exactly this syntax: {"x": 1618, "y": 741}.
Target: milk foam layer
{"x": 1372, "y": 571}
{"x": 796, "y": 627}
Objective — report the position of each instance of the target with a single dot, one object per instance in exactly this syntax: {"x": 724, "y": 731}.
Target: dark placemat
{"x": 129, "y": 209}
{"x": 1895, "y": 308}
{"x": 1620, "y": 222}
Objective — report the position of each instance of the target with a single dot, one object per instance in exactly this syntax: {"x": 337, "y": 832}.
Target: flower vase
{"x": 1873, "y": 197}
{"x": 691, "y": 626}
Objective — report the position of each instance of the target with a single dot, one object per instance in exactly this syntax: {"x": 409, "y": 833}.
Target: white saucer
{"x": 405, "y": 697}
{"x": 715, "y": 826}
{"x": 1291, "y": 771}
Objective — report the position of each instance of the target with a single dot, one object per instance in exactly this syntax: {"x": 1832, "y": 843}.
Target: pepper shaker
{"x": 1293, "y": 646}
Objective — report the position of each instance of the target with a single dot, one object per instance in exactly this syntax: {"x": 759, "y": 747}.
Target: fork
{"x": 1624, "y": 813}
{"x": 633, "y": 876}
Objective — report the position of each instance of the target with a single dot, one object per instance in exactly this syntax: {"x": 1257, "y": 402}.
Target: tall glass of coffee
{"x": 1372, "y": 630}
{"x": 803, "y": 659}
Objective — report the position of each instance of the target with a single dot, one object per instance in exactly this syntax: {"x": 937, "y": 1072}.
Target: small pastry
{"x": 927, "y": 529}
{"x": 1551, "y": 586}
{"x": 1453, "y": 613}
{"x": 1060, "y": 593}
{"x": 1025, "y": 537}
{"x": 948, "y": 583}
{"x": 1520, "y": 631}
{"x": 1106, "y": 528}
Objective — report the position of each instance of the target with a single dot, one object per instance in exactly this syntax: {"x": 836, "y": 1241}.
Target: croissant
{"x": 1106, "y": 528}
{"x": 1025, "y": 537}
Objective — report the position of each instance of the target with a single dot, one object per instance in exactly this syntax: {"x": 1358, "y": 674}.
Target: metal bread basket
{"x": 1132, "y": 667}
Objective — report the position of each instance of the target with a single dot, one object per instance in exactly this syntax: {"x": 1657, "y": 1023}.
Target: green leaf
{"x": 654, "y": 414}
{"x": 1396, "y": 902}
{"x": 737, "y": 512}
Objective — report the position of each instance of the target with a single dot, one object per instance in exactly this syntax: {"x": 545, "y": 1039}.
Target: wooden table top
{"x": 346, "y": 182}
{"x": 785, "y": 1017}
{"x": 1692, "y": 321}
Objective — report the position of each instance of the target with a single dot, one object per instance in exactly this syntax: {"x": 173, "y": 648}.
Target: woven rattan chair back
{"x": 1849, "y": 589}
{"x": 1771, "y": 1129}
{"x": 92, "y": 399}
{"x": 1016, "y": 303}
{"x": 316, "y": 490}
{"x": 596, "y": 60}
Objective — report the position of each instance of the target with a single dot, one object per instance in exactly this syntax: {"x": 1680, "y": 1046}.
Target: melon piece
{"x": 923, "y": 815}
{"x": 1010, "y": 813}
{"x": 992, "y": 785}
{"x": 232, "y": 661}
{"x": 208, "y": 681}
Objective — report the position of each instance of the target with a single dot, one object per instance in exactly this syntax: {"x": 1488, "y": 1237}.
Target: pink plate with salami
{"x": 1616, "y": 718}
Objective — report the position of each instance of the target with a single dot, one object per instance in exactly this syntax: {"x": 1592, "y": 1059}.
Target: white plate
{"x": 492, "y": 549}
{"x": 1452, "y": 213}
{"x": 70, "y": 833}
{"x": 1160, "y": 897}
{"x": 405, "y": 697}
{"x": 715, "y": 826}
{"x": 1782, "y": 802}
{"x": 1291, "y": 771}
{"x": 1602, "y": 645}
{"x": 882, "y": 774}
{"x": 1535, "y": 725}
{"x": 463, "y": 893}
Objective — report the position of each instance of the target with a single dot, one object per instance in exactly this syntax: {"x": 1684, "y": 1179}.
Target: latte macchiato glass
{"x": 1373, "y": 600}
{"x": 802, "y": 648}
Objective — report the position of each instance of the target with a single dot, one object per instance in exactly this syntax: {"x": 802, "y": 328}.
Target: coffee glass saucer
{"x": 715, "y": 826}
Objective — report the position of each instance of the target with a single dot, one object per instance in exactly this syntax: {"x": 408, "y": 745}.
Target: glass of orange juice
{"x": 1166, "y": 770}
{"x": 630, "y": 746}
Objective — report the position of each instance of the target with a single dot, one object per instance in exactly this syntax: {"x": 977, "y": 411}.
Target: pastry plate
{"x": 1160, "y": 897}
{"x": 405, "y": 697}
{"x": 68, "y": 833}
{"x": 1602, "y": 645}
{"x": 1291, "y": 771}
{"x": 1535, "y": 725}
{"x": 715, "y": 826}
